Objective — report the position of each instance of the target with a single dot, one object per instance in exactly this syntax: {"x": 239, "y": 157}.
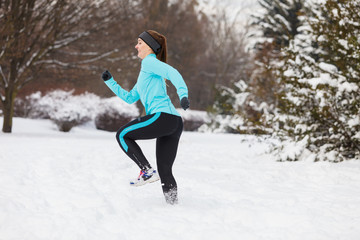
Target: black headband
{"x": 150, "y": 41}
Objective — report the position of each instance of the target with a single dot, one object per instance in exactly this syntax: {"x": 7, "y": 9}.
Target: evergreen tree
{"x": 277, "y": 25}
{"x": 321, "y": 74}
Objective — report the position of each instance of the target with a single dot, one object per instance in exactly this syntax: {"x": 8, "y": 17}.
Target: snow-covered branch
{"x": 27, "y": 80}
{"x": 3, "y": 77}
{"x": 75, "y": 64}
{"x": 28, "y": 63}
{"x": 2, "y": 51}
{"x": 4, "y": 83}
{"x": 98, "y": 57}
{"x": 66, "y": 41}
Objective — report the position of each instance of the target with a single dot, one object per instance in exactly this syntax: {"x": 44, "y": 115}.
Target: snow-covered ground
{"x": 74, "y": 186}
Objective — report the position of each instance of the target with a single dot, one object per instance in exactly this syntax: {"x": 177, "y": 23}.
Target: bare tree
{"x": 227, "y": 59}
{"x": 32, "y": 29}
{"x": 79, "y": 65}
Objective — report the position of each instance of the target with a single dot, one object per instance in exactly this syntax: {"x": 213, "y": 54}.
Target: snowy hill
{"x": 73, "y": 186}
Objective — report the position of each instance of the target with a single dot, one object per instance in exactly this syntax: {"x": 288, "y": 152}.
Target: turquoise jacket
{"x": 150, "y": 87}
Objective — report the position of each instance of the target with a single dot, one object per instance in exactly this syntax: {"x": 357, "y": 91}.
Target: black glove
{"x": 106, "y": 75}
{"x": 185, "y": 104}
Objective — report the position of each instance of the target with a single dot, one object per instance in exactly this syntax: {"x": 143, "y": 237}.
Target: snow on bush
{"x": 234, "y": 111}
{"x": 67, "y": 110}
{"x": 193, "y": 119}
{"x": 28, "y": 107}
{"x": 114, "y": 113}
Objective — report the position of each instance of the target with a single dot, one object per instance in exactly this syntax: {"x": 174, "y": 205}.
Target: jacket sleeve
{"x": 129, "y": 97}
{"x": 164, "y": 70}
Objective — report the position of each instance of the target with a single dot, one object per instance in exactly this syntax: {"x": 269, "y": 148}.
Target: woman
{"x": 162, "y": 121}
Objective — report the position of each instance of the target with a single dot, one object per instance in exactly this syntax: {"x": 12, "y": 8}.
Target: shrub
{"x": 193, "y": 119}
{"x": 114, "y": 113}
{"x": 62, "y": 107}
{"x": 28, "y": 107}
{"x": 67, "y": 110}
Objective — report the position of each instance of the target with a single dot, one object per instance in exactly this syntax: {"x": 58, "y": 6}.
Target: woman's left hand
{"x": 185, "y": 104}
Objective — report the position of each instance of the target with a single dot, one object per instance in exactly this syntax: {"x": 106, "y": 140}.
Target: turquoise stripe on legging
{"x": 134, "y": 127}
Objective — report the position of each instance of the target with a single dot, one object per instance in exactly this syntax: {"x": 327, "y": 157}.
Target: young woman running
{"x": 162, "y": 121}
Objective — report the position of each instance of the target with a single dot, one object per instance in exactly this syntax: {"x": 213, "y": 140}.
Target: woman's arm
{"x": 129, "y": 97}
{"x": 164, "y": 70}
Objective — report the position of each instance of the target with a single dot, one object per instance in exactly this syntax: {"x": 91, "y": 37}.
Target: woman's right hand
{"x": 106, "y": 75}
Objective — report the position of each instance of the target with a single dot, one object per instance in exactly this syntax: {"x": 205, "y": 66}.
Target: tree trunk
{"x": 8, "y": 110}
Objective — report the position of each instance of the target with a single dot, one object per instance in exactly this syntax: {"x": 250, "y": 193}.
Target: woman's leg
{"x": 132, "y": 131}
{"x": 166, "y": 149}
{"x": 147, "y": 127}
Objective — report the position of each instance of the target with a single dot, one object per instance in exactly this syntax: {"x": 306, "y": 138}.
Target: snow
{"x": 327, "y": 67}
{"x": 193, "y": 115}
{"x": 344, "y": 43}
{"x": 323, "y": 79}
{"x": 348, "y": 87}
{"x": 283, "y": 21}
{"x": 353, "y": 122}
{"x": 115, "y": 104}
{"x": 289, "y": 73}
{"x": 74, "y": 186}
{"x": 64, "y": 107}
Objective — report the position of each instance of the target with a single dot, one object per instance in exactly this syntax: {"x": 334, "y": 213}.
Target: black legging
{"x": 167, "y": 129}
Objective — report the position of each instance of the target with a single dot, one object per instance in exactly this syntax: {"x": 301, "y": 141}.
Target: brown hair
{"x": 161, "y": 39}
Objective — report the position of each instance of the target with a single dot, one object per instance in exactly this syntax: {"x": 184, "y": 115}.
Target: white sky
{"x": 246, "y": 7}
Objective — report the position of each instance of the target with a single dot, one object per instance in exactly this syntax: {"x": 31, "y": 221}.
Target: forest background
{"x": 291, "y": 69}
{"x": 88, "y": 37}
